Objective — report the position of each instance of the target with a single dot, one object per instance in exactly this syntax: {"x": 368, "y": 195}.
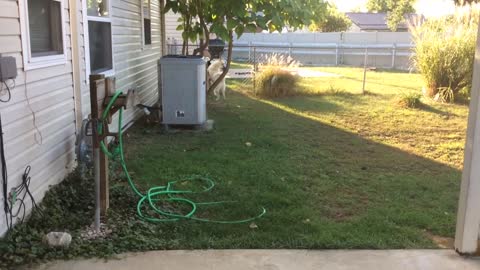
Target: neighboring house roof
{"x": 378, "y": 21}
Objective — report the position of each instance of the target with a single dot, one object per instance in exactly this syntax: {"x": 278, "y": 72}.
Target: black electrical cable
{"x": 21, "y": 193}
{"x": 16, "y": 195}
{"x": 6, "y": 205}
{"x": 9, "y": 92}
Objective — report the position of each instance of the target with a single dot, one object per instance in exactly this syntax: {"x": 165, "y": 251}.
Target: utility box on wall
{"x": 183, "y": 90}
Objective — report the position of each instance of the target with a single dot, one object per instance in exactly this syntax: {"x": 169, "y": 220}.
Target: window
{"x": 42, "y": 33}
{"x": 99, "y": 36}
{"x": 147, "y": 22}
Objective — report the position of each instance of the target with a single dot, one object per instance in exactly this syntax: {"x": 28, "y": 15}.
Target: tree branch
{"x": 204, "y": 39}
{"x": 229, "y": 60}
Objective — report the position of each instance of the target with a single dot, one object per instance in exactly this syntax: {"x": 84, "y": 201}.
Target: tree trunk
{"x": 206, "y": 34}
{"x": 203, "y": 42}
{"x": 227, "y": 68}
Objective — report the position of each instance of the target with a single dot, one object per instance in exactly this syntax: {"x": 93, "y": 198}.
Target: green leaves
{"x": 239, "y": 30}
{"x": 240, "y": 16}
{"x": 231, "y": 24}
{"x": 333, "y": 21}
{"x": 396, "y": 10}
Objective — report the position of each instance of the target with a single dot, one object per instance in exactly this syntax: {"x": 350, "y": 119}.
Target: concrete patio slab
{"x": 277, "y": 260}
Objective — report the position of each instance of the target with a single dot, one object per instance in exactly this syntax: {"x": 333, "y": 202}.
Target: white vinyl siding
{"x": 135, "y": 67}
{"x": 171, "y": 24}
{"x": 50, "y": 92}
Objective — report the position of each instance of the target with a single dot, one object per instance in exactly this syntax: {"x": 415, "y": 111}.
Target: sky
{"x": 429, "y": 8}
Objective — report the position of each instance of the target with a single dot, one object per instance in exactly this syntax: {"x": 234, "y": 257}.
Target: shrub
{"x": 444, "y": 53}
{"x": 408, "y": 100}
{"x": 277, "y": 60}
{"x": 276, "y": 82}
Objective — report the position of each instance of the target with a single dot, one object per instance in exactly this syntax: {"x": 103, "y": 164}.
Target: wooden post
{"x": 99, "y": 89}
{"x": 468, "y": 215}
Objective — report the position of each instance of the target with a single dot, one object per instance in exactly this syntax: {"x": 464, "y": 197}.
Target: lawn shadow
{"x": 323, "y": 187}
{"x": 369, "y": 82}
{"x": 376, "y": 175}
{"x": 429, "y": 108}
{"x": 322, "y": 102}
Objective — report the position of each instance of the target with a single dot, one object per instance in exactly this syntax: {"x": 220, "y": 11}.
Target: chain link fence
{"x": 248, "y": 58}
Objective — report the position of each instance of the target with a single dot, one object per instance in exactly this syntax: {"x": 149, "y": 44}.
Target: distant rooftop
{"x": 367, "y": 21}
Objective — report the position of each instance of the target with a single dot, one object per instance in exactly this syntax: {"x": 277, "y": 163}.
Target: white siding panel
{"x": 10, "y": 44}
{"x": 50, "y": 94}
{"x": 10, "y": 26}
{"x": 171, "y": 24}
{"x": 135, "y": 67}
{"x": 8, "y": 9}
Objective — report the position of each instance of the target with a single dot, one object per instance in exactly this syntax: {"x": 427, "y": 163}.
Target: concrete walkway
{"x": 277, "y": 259}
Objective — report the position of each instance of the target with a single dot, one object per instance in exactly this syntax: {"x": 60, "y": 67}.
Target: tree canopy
{"x": 395, "y": 9}
{"x": 333, "y": 21}
{"x": 465, "y": 2}
{"x": 226, "y": 18}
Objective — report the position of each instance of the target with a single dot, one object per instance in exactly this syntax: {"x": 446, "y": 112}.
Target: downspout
{"x": 76, "y": 63}
{"x": 163, "y": 38}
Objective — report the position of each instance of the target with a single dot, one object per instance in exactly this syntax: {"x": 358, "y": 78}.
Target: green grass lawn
{"x": 240, "y": 65}
{"x": 334, "y": 169}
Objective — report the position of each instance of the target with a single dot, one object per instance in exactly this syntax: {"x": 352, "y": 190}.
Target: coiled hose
{"x": 162, "y": 193}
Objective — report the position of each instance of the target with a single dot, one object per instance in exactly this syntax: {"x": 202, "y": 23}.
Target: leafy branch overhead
{"x": 396, "y": 10}
{"x": 241, "y": 16}
{"x": 333, "y": 21}
{"x": 227, "y": 18}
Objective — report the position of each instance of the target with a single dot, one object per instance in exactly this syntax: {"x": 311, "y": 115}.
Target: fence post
{"x": 254, "y": 69}
{"x": 336, "y": 54}
{"x": 249, "y": 51}
{"x": 365, "y": 63}
{"x": 394, "y": 54}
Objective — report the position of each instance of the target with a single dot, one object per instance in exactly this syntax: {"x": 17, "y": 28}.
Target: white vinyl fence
{"x": 384, "y": 49}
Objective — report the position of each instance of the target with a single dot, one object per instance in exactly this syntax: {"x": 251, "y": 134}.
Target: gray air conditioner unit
{"x": 183, "y": 90}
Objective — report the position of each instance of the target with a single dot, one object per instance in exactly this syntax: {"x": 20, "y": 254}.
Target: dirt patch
{"x": 441, "y": 241}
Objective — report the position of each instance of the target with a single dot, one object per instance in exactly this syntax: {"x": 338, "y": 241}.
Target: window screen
{"x": 100, "y": 43}
{"x": 147, "y": 23}
{"x": 45, "y": 25}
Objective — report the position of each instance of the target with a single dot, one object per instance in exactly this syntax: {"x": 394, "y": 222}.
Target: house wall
{"x": 171, "y": 24}
{"x": 354, "y": 28}
{"x": 135, "y": 65}
{"x": 174, "y": 37}
{"x": 51, "y": 97}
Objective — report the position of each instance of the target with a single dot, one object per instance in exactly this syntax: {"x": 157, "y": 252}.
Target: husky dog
{"x": 214, "y": 71}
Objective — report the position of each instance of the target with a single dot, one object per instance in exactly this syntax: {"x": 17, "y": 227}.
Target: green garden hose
{"x": 162, "y": 193}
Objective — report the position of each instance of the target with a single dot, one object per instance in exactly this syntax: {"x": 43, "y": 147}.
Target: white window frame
{"x": 142, "y": 23}
{"x": 86, "y": 19}
{"x": 29, "y": 61}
